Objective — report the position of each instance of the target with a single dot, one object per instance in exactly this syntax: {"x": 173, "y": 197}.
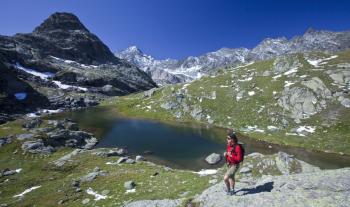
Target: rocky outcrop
{"x": 323, "y": 188}
{"x": 300, "y": 102}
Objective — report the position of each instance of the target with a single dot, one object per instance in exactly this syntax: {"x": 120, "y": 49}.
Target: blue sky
{"x": 180, "y": 28}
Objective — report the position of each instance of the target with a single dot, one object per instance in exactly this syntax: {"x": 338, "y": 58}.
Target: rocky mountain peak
{"x": 60, "y": 21}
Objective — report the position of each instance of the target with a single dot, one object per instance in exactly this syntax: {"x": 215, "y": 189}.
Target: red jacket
{"x": 236, "y": 154}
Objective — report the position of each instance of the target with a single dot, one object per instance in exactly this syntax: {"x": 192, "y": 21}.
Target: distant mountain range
{"x": 174, "y": 71}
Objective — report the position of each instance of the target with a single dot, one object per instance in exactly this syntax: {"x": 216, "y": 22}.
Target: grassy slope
{"x": 226, "y": 111}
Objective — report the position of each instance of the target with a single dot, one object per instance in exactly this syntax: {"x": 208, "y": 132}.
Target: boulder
{"x": 5, "y": 140}
{"x": 24, "y": 136}
{"x": 37, "y": 146}
{"x": 72, "y": 126}
{"x": 32, "y": 123}
{"x": 121, "y": 160}
{"x": 213, "y": 158}
{"x": 128, "y": 185}
{"x": 139, "y": 158}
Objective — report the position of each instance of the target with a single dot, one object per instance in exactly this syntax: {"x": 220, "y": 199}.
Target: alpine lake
{"x": 179, "y": 145}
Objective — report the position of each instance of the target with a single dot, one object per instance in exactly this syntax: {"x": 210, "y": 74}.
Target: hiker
{"x": 234, "y": 156}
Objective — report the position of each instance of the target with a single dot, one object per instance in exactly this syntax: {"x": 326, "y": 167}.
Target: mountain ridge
{"x": 195, "y": 67}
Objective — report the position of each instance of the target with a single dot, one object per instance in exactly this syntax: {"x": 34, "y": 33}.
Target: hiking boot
{"x": 228, "y": 192}
{"x": 232, "y": 192}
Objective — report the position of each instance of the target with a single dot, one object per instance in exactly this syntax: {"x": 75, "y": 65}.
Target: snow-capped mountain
{"x": 174, "y": 71}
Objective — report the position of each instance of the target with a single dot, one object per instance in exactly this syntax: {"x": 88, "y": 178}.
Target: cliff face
{"x": 63, "y": 54}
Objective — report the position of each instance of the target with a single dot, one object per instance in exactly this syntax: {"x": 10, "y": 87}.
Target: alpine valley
{"x": 63, "y": 92}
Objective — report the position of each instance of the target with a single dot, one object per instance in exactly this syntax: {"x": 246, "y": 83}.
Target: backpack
{"x": 242, "y": 150}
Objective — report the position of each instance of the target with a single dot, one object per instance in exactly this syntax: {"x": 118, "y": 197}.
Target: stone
{"x": 37, "y": 146}
{"x": 7, "y": 172}
{"x": 66, "y": 158}
{"x": 5, "y": 140}
{"x": 76, "y": 183}
{"x": 105, "y": 192}
{"x": 121, "y": 160}
{"x": 110, "y": 90}
{"x": 72, "y": 126}
{"x": 149, "y": 93}
{"x": 32, "y": 123}
{"x": 245, "y": 170}
{"x": 85, "y": 201}
{"x": 129, "y": 161}
{"x": 25, "y": 136}
{"x": 122, "y": 151}
{"x": 213, "y": 158}
{"x": 92, "y": 176}
{"x": 128, "y": 185}
{"x": 139, "y": 158}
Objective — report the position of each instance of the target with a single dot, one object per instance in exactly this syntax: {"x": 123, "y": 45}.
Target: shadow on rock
{"x": 266, "y": 187}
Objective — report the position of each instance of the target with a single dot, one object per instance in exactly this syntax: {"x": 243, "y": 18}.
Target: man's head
{"x": 231, "y": 137}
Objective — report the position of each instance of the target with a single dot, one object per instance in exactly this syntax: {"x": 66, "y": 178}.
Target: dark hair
{"x": 232, "y": 135}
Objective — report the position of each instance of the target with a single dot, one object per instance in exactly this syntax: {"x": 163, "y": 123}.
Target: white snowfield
{"x": 46, "y": 111}
{"x": 316, "y": 63}
{"x": 66, "y": 86}
{"x": 27, "y": 191}
{"x": 206, "y": 172}
{"x": 97, "y": 196}
{"x": 42, "y": 75}
{"x": 73, "y": 62}
{"x": 45, "y": 76}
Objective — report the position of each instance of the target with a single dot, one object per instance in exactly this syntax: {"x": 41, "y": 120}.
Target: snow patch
{"x": 316, "y": 63}
{"x": 246, "y": 79}
{"x": 293, "y": 70}
{"x": 18, "y": 170}
{"x": 46, "y": 111}
{"x": 308, "y": 129}
{"x": 73, "y": 62}
{"x": 206, "y": 172}
{"x": 242, "y": 66}
{"x": 27, "y": 191}
{"x": 42, "y": 75}
{"x": 277, "y": 76}
{"x": 97, "y": 196}
{"x": 65, "y": 86}
{"x": 288, "y": 83}
{"x": 253, "y": 129}
{"x": 130, "y": 191}
{"x": 251, "y": 93}
{"x": 272, "y": 128}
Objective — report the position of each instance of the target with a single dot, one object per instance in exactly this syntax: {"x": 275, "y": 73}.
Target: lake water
{"x": 179, "y": 145}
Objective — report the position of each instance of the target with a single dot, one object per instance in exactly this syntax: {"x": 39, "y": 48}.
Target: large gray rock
{"x": 37, "y": 146}
{"x": 155, "y": 203}
{"x": 324, "y": 188}
{"x": 213, "y": 158}
{"x": 299, "y": 102}
{"x": 64, "y": 137}
{"x": 66, "y": 158}
{"x": 32, "y": 123}
{"x": 128, "y": 185}
{"x": 93, "y": 175}
{"x": 285, "y": 63}
{"x": 5, "y": 140}
{"x": 24, "y": 136}
{"x": 317, "y": 85}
